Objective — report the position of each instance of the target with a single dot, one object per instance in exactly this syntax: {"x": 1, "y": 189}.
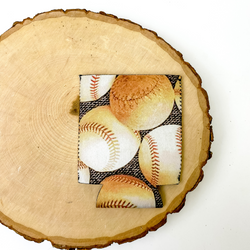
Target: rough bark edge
{"x": 203, "y": 99}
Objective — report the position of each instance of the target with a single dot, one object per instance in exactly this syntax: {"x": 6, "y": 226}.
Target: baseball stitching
{"x": 137, "y": 134}
{"x": 178, "y": 140}
{"x": 153, "y": 148}
{"x": 143, "y": 94}
{"x": 109, "y": 137}
{"x": 117, "y": 204}
{"x": 177, "y": 91}
{"x": 81, "y": 165}
{"x": 94, "y": 86}
{"x": 132, "y": 181}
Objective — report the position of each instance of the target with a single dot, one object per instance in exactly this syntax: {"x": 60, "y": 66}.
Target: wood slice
{"x": 41, "y": 60}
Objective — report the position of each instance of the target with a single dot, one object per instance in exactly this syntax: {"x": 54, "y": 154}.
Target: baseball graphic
{"x": 83, "y": 173}
{"x": 92, "y": 87}
{"x": 105, "y": 143}
{"x": 123, "y": 191}
{"x": 160, "y": 155}
{"x": 177, "y": 91}
{"x": 142, "y": 101}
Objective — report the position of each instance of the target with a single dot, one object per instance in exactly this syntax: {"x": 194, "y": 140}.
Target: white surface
{"x": 214, "y": 37}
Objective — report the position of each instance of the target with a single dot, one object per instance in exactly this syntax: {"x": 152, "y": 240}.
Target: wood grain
{"x": 41, "y": 60}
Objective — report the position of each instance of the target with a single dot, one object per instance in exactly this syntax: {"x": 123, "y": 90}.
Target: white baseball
{"x": 105, "y": 143}
{"x": 123, "y": 191}
{"x": 160, "y": 155}
{"x": 83, "y": 173}
{"x": 92, "y": 87}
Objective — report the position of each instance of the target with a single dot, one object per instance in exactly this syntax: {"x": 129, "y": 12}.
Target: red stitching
{"x": 131, "y": 180}
{"x": 109, "y": 137}
{"x": 117, "y": 204}
{"x": 94, "y": 82}
{"x": 81, "y": 165}
{"x": 178, "y": 137}
{"x": 153, "y": 148}
{"x": 137, "y": 134}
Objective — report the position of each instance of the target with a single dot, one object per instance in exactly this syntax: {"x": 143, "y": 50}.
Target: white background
{"x": 214, "y": 36}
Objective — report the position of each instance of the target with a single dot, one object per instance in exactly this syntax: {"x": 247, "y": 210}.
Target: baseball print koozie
{"x": 130, "y": 137}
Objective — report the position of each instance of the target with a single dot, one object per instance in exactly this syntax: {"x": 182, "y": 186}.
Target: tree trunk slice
{"x": 41, "y": 60}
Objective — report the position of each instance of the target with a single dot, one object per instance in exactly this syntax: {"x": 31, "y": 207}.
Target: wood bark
{"x": 40, "y": 63}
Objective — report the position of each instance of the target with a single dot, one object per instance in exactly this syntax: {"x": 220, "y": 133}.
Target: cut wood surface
{"x": 40, "y": 63}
